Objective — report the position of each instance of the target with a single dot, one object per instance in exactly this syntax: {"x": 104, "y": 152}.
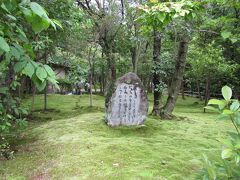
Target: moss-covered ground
{"x": 72, "y": 141}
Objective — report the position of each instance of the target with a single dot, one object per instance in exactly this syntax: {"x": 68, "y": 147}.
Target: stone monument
{"x": 128, "y": 104}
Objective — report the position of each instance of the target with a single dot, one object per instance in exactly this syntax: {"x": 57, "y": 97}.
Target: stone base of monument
{"x": 128, "y": 104}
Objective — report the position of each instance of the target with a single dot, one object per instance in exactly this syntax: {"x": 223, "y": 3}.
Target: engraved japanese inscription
{"x": 128, "y": 104}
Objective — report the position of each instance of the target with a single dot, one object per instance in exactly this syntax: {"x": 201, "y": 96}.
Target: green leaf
{"x": 1, "y": 107}
{"x": 234, "y": 106}
{"x": 11, "y": 5}
{"x": 24, "y": 111}
{"x": 11, "y": 17}
{"x": 161, "y": 16}
{"x": 41, "y": 73}
{"x": 233, "y": 40}
{"x": 193, "y": 15}
{"x": 226, "y": 34}
{"x": 222, "y": 117}
{"x": 210, "y": 168}
{"x": 24, "y": 2}
{"x": 39, "y": 24}
{"x": 16, "y": 111}
{"x": 49, "y": 71}
{"x": 37, "y": 9}
{"x": 216, "y": 102}
{"x": 22, "y": 35}
{"x": 7, "y": 58}
{"x": 19, "y": 48}
{"x": 28, "y": 48}
{"x": 14, "y": 51}
{"x": 34, "y": 64}
{"x": 211, "y": 108}
{"x": 3, "y": 90}
{"x": 19, "y": 66}
{"x": 4, "y": 7}
{"x": 4, "y": 45}
{"x": 237, "y": 118}
{"x": 40, "y": 86}
{"x": 237, "y": 144}
{"x": 29, "y": 69}
{"x": 28, "y": 14}
{"x": 221, "y": 107}
{"x": 57, "y": 23}
{"x": 21, "y": 123}
{"x": 53, "y": 25}
{"x": 237, "y": 159}
{"x": 227, "y": 112}
{"x": 227, "y": 153}
{"x": 8, "y": 124}
{"x": 234, "y": 136}
{"x": 53, "y": 81}
{"x": 227, "y": 93}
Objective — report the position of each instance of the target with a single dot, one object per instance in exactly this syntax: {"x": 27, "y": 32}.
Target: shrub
{"x": 229, "y": 168}
{"x": 64, "y": 84}
{"x": 12, "y": 115}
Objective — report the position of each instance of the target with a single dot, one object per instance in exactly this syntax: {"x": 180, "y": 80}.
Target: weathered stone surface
{"x": 128, "y": 104}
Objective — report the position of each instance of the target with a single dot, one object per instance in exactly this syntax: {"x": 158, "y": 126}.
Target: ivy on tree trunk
{"x": 156, "y": 77}
{"x": 111, "y": 73}
{"x": 177, "y": 79}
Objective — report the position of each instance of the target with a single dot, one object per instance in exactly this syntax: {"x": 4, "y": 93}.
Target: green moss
{"x": 73, "y": 141}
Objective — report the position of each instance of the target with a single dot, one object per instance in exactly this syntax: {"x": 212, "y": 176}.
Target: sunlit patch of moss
{"x": 73, "y": 141}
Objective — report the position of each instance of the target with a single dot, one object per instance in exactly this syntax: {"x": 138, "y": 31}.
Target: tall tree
{"x": 156, "y": 17}
{"x": 177, "y": 79}
{"x": 156, "y": 76}
{"x": 107, "y": 23}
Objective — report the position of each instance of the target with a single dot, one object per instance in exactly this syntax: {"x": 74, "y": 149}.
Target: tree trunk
{"x": 156, "y": 77}
{"x": 107, "y": 43}
{"x": 102, "y": 77}
{"x": 177, "y": 79}
{"x": 91, "y": 64}
{"x": 134, "y": 58}
{"x": 207, "y": 93}
{"x": 104, "y": 84}
{"x": 111, "y": 75}
{"x": 100, "y": 84}
{"x": 198, "y": 89}
{"x": 135, "y": 49}
{"x": 94, "y": 79}
{"x": 149, "y": 85}
{"x": 91, "y": 80}
{"x": 95, "y": 86}
{"x": 135, "y": 52}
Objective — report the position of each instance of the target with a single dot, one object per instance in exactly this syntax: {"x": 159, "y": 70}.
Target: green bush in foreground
{"x": 18, "y": 58}
{"x": 230, "y": 166}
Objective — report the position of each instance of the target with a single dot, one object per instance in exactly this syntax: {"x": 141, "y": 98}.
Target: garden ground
{"x": 72, "y": 141}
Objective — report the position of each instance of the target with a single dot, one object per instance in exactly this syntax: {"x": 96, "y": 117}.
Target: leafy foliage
{"x": 18, "y": 58}
{"x": 159, "y": 15}
{"x": 64, "y": 84}
{"x": 230, "y": 167}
